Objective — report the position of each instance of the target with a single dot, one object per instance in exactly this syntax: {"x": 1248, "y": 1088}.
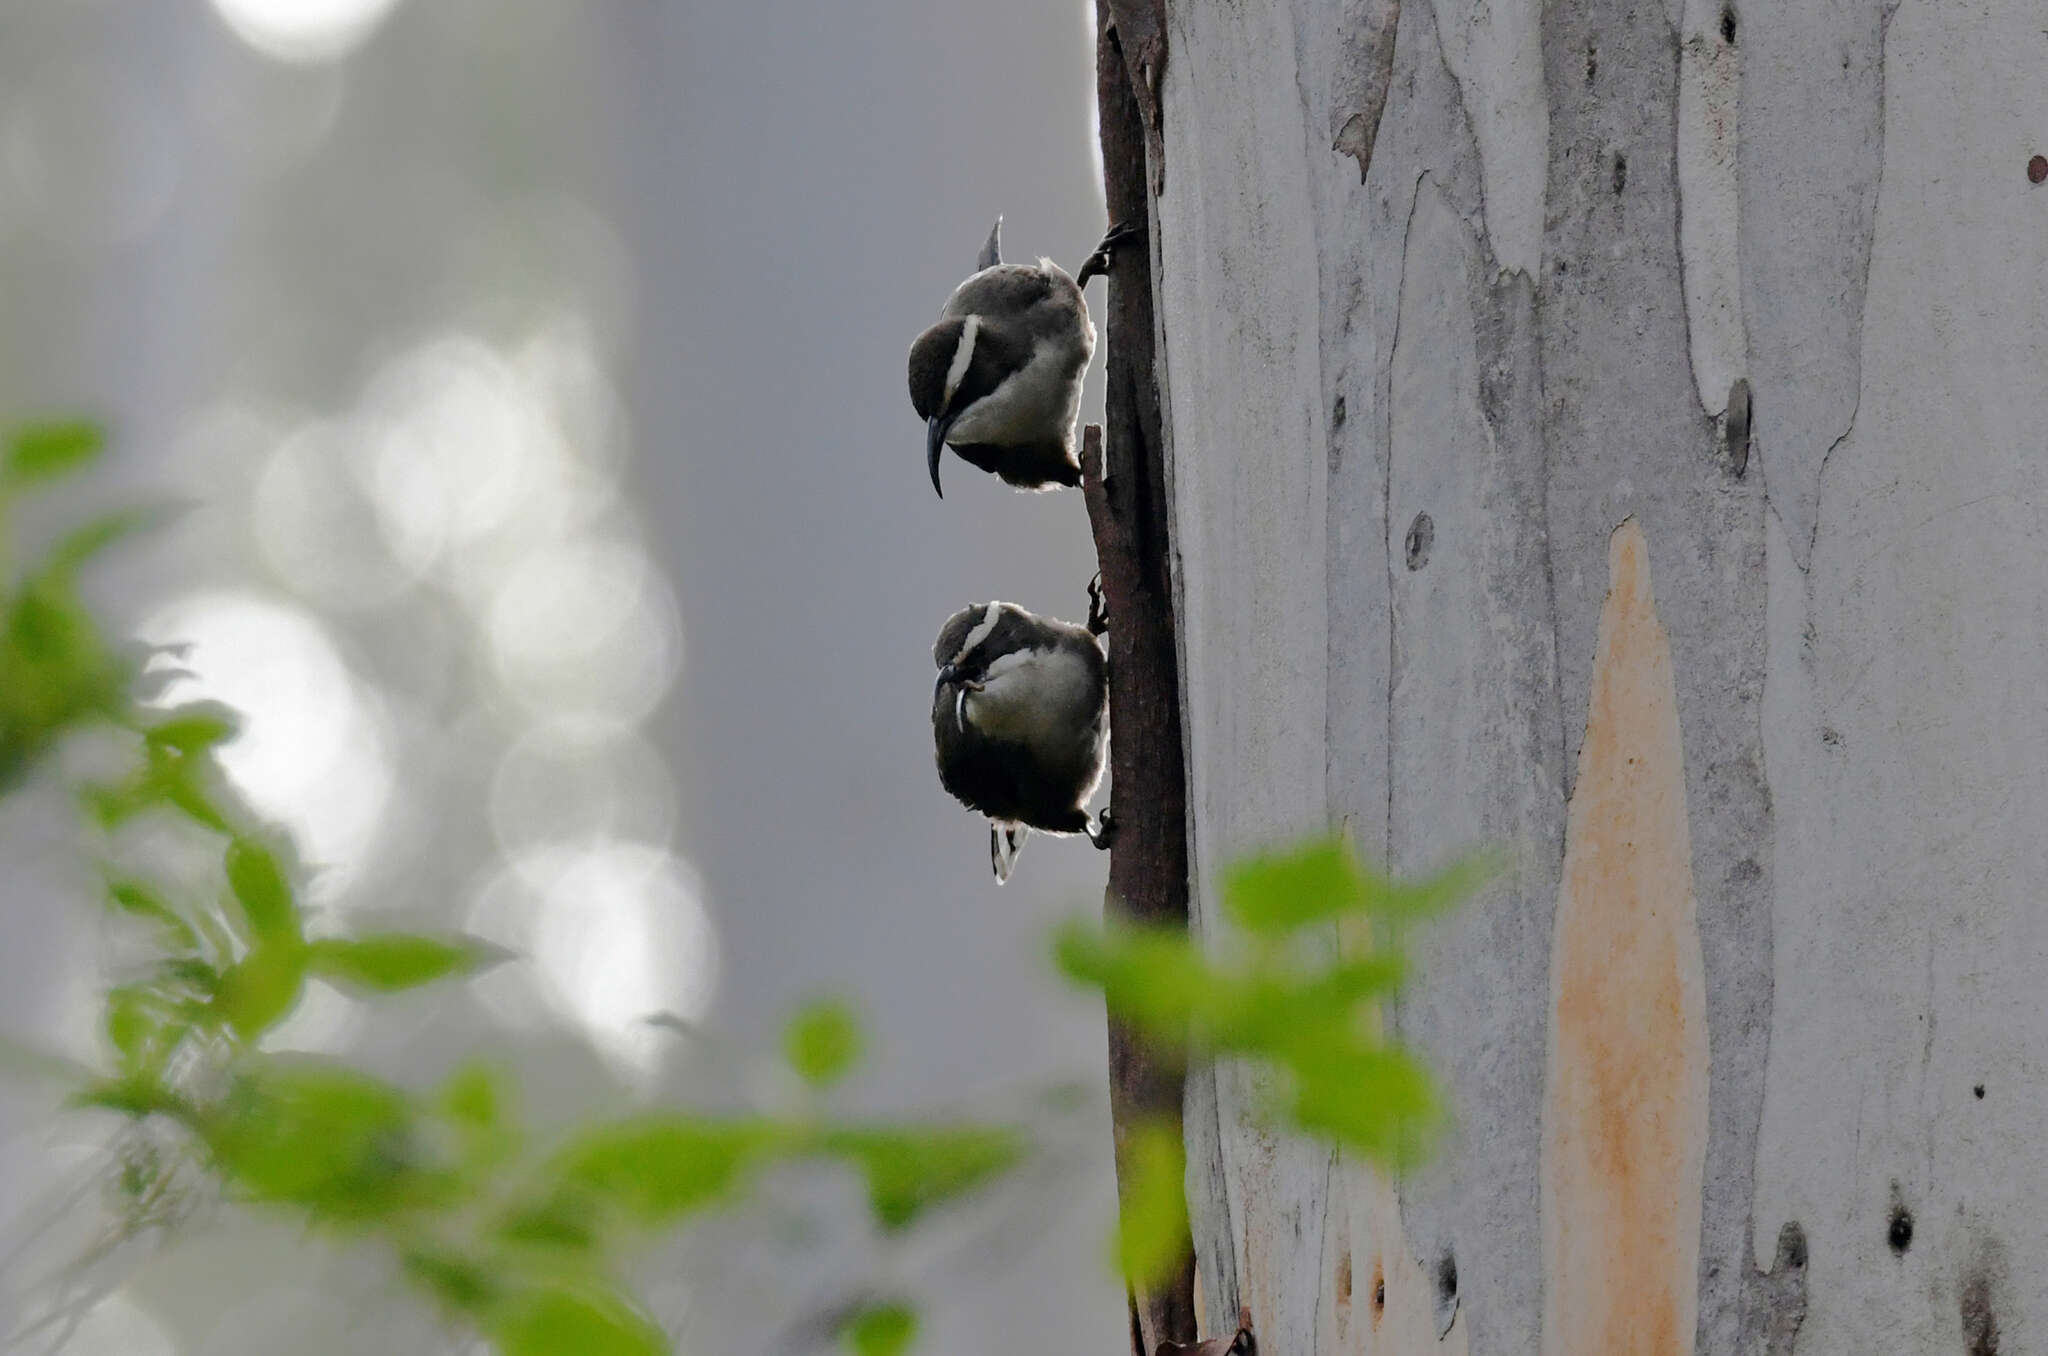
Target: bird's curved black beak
{"x": 947, "y": 674}
{"x": 935, "y": 443}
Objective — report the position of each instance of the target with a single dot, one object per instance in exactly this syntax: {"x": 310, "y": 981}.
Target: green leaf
{"x": 193, "y": 729}
{"x": 565, "y": 1224}
{"x": 261, "y": 888}
{"x": 199, "y": 979}
{"x": 822, "y": 1042}
{"x": 182, "y": 792}
{"x": 138, "y": 900}
{"x": 390, "y": 961}
{"x": 133, "y": 1020}
{"x": 1454, "y": 884}
{"x": 477, "y": 1102}
{"x": 1152, "y": 1224}
{"x": 1155, "y": 977}
{"x": 880, "y": 1330}
{"x": 1291, "y": 999}
{"x": 55, "y": 671}
{"x": 82, "y": 543}
{"x": 462, "y": 1285}
{"x": 321, "y": 1136}
{"x": 257, "y": 991}
{"x": 656, "y": 1169}
{"x": 133, "y": 1095}
{"x": 476, "y": 1095}
{"x": 44, "y": 451}
{"x": 1277, "y": 1010}
{"x": 568, "y": 1318}
{"x": 1378, "y": 1102}
{"x": 1277, "y": 893}
{"x": 911, "y": 1170}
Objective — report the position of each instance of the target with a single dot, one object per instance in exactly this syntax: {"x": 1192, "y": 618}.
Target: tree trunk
{"x": 1460, "y": 306}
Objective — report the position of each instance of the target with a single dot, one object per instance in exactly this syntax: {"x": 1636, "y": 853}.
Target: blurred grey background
{"x": 534, "y": 377}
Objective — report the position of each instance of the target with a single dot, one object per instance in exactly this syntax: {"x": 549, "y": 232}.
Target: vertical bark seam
{"x": 1386, "y": 423}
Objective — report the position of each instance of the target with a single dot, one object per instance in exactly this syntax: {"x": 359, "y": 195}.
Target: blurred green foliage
{"x": 1152, "y": 1224}
{"x": 822, "y": 1042}
{"x": 527, "y": 1243}
{"x": 881, "y": 1330}
{"x": 1314, "y": 949}
{"x": 524, "y": 1243}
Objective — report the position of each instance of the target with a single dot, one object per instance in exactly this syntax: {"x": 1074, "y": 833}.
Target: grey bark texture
{"x": 1607, "y": 430}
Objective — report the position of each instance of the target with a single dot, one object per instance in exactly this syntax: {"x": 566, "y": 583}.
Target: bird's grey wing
{"x": 1006, "y": 289}
{"x": 992, "y": 248}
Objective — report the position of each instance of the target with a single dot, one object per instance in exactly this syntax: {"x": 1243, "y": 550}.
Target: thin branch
{"x": 1130, "y": 516}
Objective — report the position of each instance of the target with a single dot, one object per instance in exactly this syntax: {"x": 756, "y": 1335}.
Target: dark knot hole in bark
{"x": 1900, "y": 1234}
{"x": 1791, "y": 1247}
{"x": 1728, "y": 24}
{"x": 1421, "y": 536}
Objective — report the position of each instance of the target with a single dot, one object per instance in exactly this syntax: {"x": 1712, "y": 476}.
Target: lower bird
{"x": 998, "y": 376}
{"x": 1020, "y": 720}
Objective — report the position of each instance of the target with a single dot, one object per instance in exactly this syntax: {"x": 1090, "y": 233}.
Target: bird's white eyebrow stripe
{"x": 988, "y": 621}
{"x": 962, "y": 356}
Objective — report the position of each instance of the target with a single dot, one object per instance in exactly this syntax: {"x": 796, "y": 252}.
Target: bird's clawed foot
{"x": 1121, "y": 234}
{"x": 1104, "y": 832}
{"x": 1098, "y": 610}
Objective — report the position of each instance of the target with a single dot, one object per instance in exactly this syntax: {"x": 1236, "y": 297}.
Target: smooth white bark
{"x": 1579, "y": 228}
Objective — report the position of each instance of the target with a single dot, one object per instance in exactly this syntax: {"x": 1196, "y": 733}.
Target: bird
{"x": 1020, "y": 721}
{"x": 998, "y": 376}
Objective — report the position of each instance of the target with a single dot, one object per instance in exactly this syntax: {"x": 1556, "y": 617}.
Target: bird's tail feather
{"x": 1005, "y": 844}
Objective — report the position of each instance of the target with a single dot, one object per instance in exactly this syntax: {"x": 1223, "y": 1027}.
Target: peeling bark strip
{"x": 1494, "y": 49}
{"x": 1625, "y": 1105}
{"x": 1360, "y": 83}
{"x": 1709, "y": 89}
{"x": 1125, "y": 489}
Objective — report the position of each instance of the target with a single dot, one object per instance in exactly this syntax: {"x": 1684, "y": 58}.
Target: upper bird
{"x": 998, "y": 378}
{"x": 1020, "y": 719}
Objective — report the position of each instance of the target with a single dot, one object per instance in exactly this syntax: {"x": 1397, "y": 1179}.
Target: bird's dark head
{"x": 974, "y": 637}
{"x": 932, "y": 362}
{"x": 938, "y": 361}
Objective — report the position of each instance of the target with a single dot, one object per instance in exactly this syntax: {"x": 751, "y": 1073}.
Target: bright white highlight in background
{"x": 586, "y": 630}
{"x": 309, "y": 754}
{"x": 611, "y": 934}
{"x": 117, "y": 1327}
{"x": 464, "y": 450}
{"x": 303, "y": 30}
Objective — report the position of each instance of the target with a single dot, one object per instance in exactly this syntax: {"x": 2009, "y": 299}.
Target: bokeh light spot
{"x": 303, "y": 30}
{"x": 117, "y": 1326}
{"x": 310, "y": 753}
{"x": 318, "y": 529}
{"x": 587, "y": 629}
{"x": 573, "y": 780}
{"x": 612, "y": 933}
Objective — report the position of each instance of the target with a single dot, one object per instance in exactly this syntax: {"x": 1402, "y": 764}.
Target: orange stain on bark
{"x": 1400, "y": 1314}
{"x": 1625, "y": 1101}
